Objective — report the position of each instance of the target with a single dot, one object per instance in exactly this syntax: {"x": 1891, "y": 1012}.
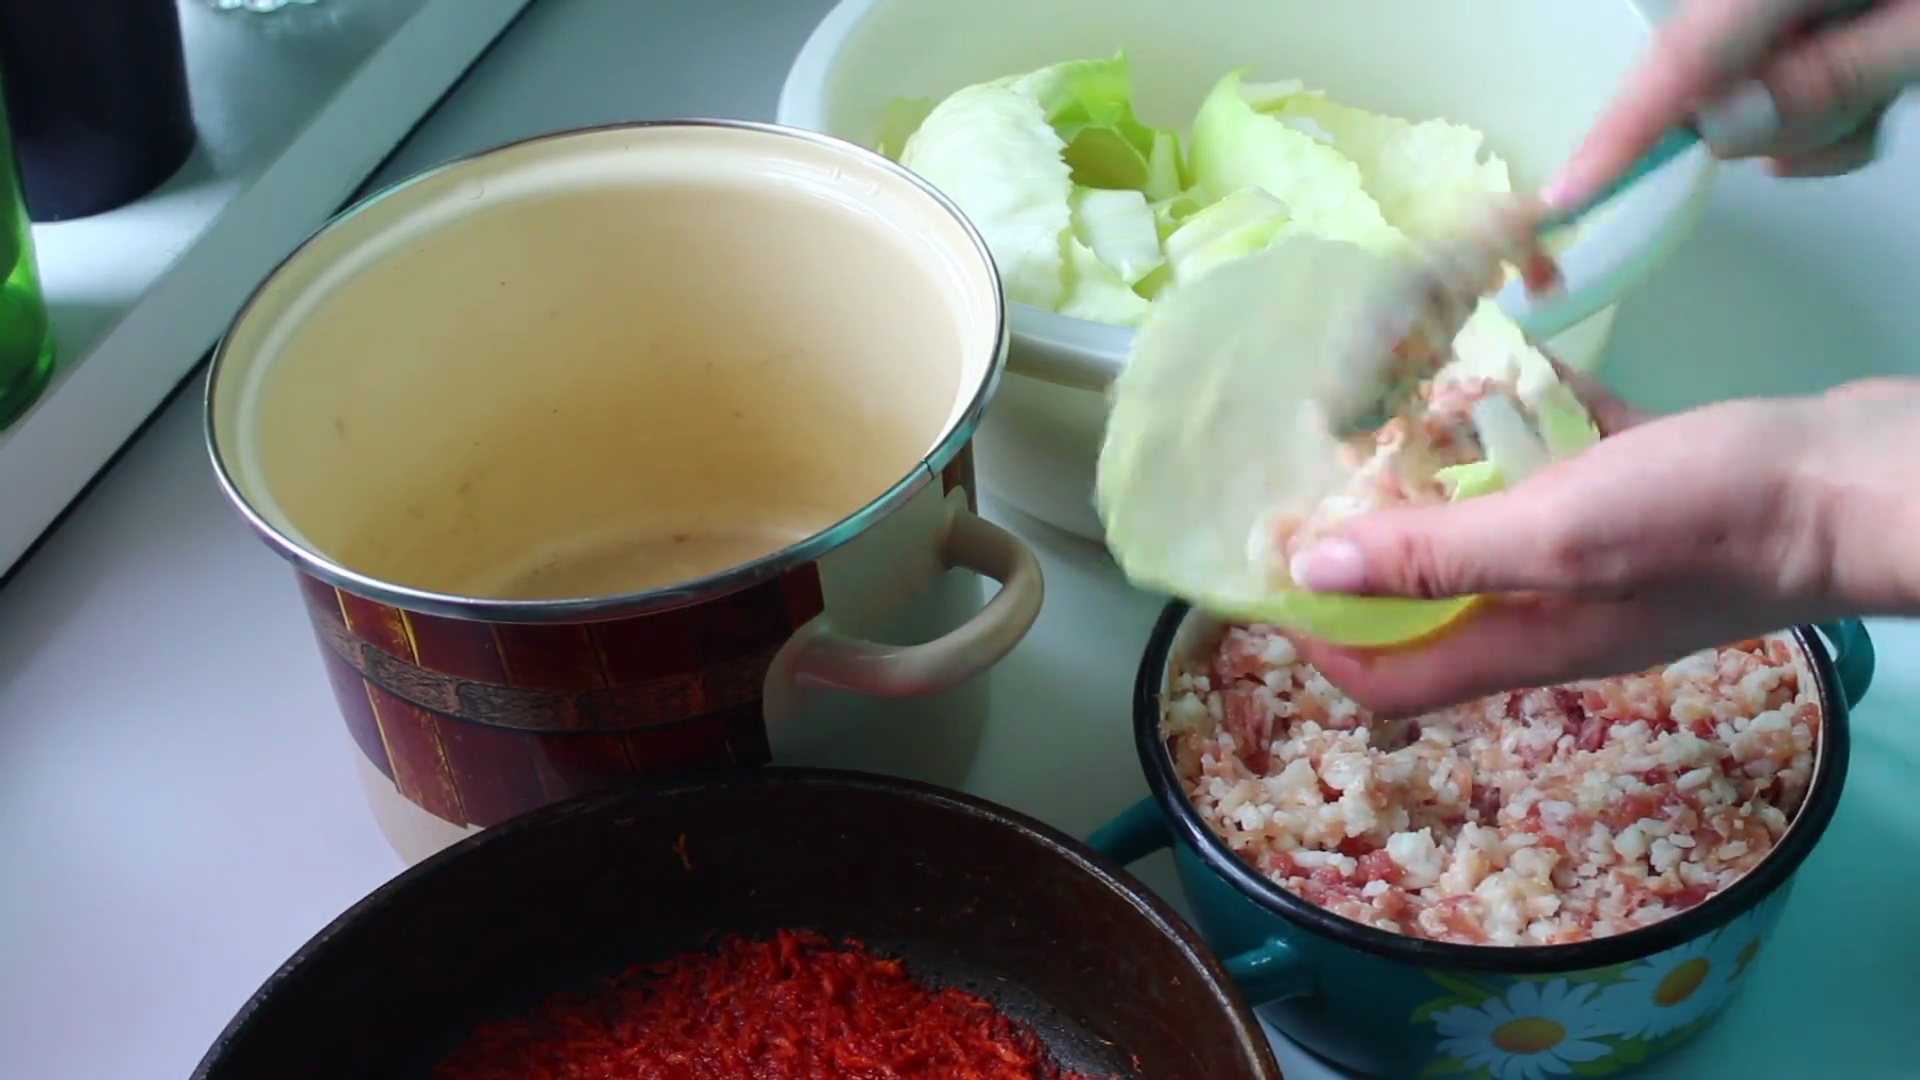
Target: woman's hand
{"x": 1670, "y": 535}
{"x": 1803, "y": 82}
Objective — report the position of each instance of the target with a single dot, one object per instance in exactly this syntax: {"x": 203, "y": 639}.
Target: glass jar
{"x": 253, "y": 5}
{"x": 26, "y": 337}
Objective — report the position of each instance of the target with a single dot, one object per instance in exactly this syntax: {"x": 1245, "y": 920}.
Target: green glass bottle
{"x": 26, "y": 338}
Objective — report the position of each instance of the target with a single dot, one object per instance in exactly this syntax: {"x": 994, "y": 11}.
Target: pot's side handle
{"x": 1270, "y": 971}
{"x": 1852, "y": 657}
{"x": 819, "y": 656}
{"x": 1139, "y": 831}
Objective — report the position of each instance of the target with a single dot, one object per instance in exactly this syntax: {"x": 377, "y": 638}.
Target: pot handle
{"x": 1852, "y": 657}
{"x": 1270, "y": 971}
{"x": 1604, "y": 263}
{"x": 1138, "y": 831}
{"x": 819, "y": 656}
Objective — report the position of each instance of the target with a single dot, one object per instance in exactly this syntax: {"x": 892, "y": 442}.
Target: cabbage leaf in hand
{"x": 1215, "y": 429}
{"x": 1197, "y": 455}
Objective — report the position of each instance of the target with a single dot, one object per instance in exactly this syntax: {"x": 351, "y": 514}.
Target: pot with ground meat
{"x": 1575, "y": 876}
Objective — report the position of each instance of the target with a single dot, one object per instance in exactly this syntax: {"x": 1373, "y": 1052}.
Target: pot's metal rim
{"x": 598, "y": 608}
{"x": 1773, "y": 873}
{"x": 744, "y": 783}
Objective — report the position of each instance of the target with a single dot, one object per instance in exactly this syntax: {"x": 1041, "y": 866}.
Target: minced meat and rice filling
{"x": 1534, "y": 817}
{"x": 1395, "y": 466}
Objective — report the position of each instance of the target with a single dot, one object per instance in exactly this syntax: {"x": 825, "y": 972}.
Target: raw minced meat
{"x": 1535, "y": 817}
{"x": 1394, "y": 466}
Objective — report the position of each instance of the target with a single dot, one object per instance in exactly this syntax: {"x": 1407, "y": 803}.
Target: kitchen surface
{"x": 292, "y": 108}
{"x": 179, "y": 806}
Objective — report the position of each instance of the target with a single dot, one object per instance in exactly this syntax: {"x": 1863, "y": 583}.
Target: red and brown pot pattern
{"x": 477, "y": 721}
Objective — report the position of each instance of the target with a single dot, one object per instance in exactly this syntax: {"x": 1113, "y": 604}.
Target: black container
{"x": 97, "y": 90}
{"x": 970, "y": 894}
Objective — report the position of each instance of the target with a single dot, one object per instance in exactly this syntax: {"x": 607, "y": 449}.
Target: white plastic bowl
{"x": 1532, "y": 75}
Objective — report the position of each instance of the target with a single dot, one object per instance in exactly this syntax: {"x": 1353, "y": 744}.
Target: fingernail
{"x": 1562, "y": 193}
{"x": 1334, "y": 566}
{"x": 1741, "y": 123}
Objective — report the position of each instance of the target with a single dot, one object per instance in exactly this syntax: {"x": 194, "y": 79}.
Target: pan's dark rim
{"x": 1162, "y": 917}
{"x": 1823, "y": 796}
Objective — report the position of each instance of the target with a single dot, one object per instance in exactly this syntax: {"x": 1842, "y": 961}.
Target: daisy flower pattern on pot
{"x": 1590, "y": 1023}
{"x": 1738, "y": 943}
{"x": 1676, "y": 988}
{"x": 1667, "y": 992}
{"x": 1534, "y": 1030}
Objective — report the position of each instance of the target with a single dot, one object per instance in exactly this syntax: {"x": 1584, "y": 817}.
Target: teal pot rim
{"x": 1841, "y": 684}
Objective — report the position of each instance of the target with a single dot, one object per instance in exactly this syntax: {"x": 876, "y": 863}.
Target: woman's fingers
{"x": 1563, "y": 530}
{"x": 1879, "y": 388}
{"x": 1849, "y": 154}
{"x": 1509, "y": 643}
{"x": 1835, "y": 85}
{"x": 1736, "y": 67}
{"x": 1495, "y": 543}
{"x": 1706, "y": 46}
{"x": 1823, "y": 98}
{"x": 1708, "y": 496}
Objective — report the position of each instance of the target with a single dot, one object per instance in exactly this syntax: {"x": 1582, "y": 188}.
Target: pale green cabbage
{"x": 1416, "y": 173}
{"x": 1244, "y": 258}
{"x": 1036, "y": 159}
{"x": 991, "y": 150}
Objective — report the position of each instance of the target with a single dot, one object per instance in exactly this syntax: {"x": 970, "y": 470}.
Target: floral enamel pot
{"x": 627, "y": 451}
{"x": 1387, "y": 1004}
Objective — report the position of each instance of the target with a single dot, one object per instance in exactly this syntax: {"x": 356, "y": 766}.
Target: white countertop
{"x": 292, "y": 110}
{"x": 178, "y": 806}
